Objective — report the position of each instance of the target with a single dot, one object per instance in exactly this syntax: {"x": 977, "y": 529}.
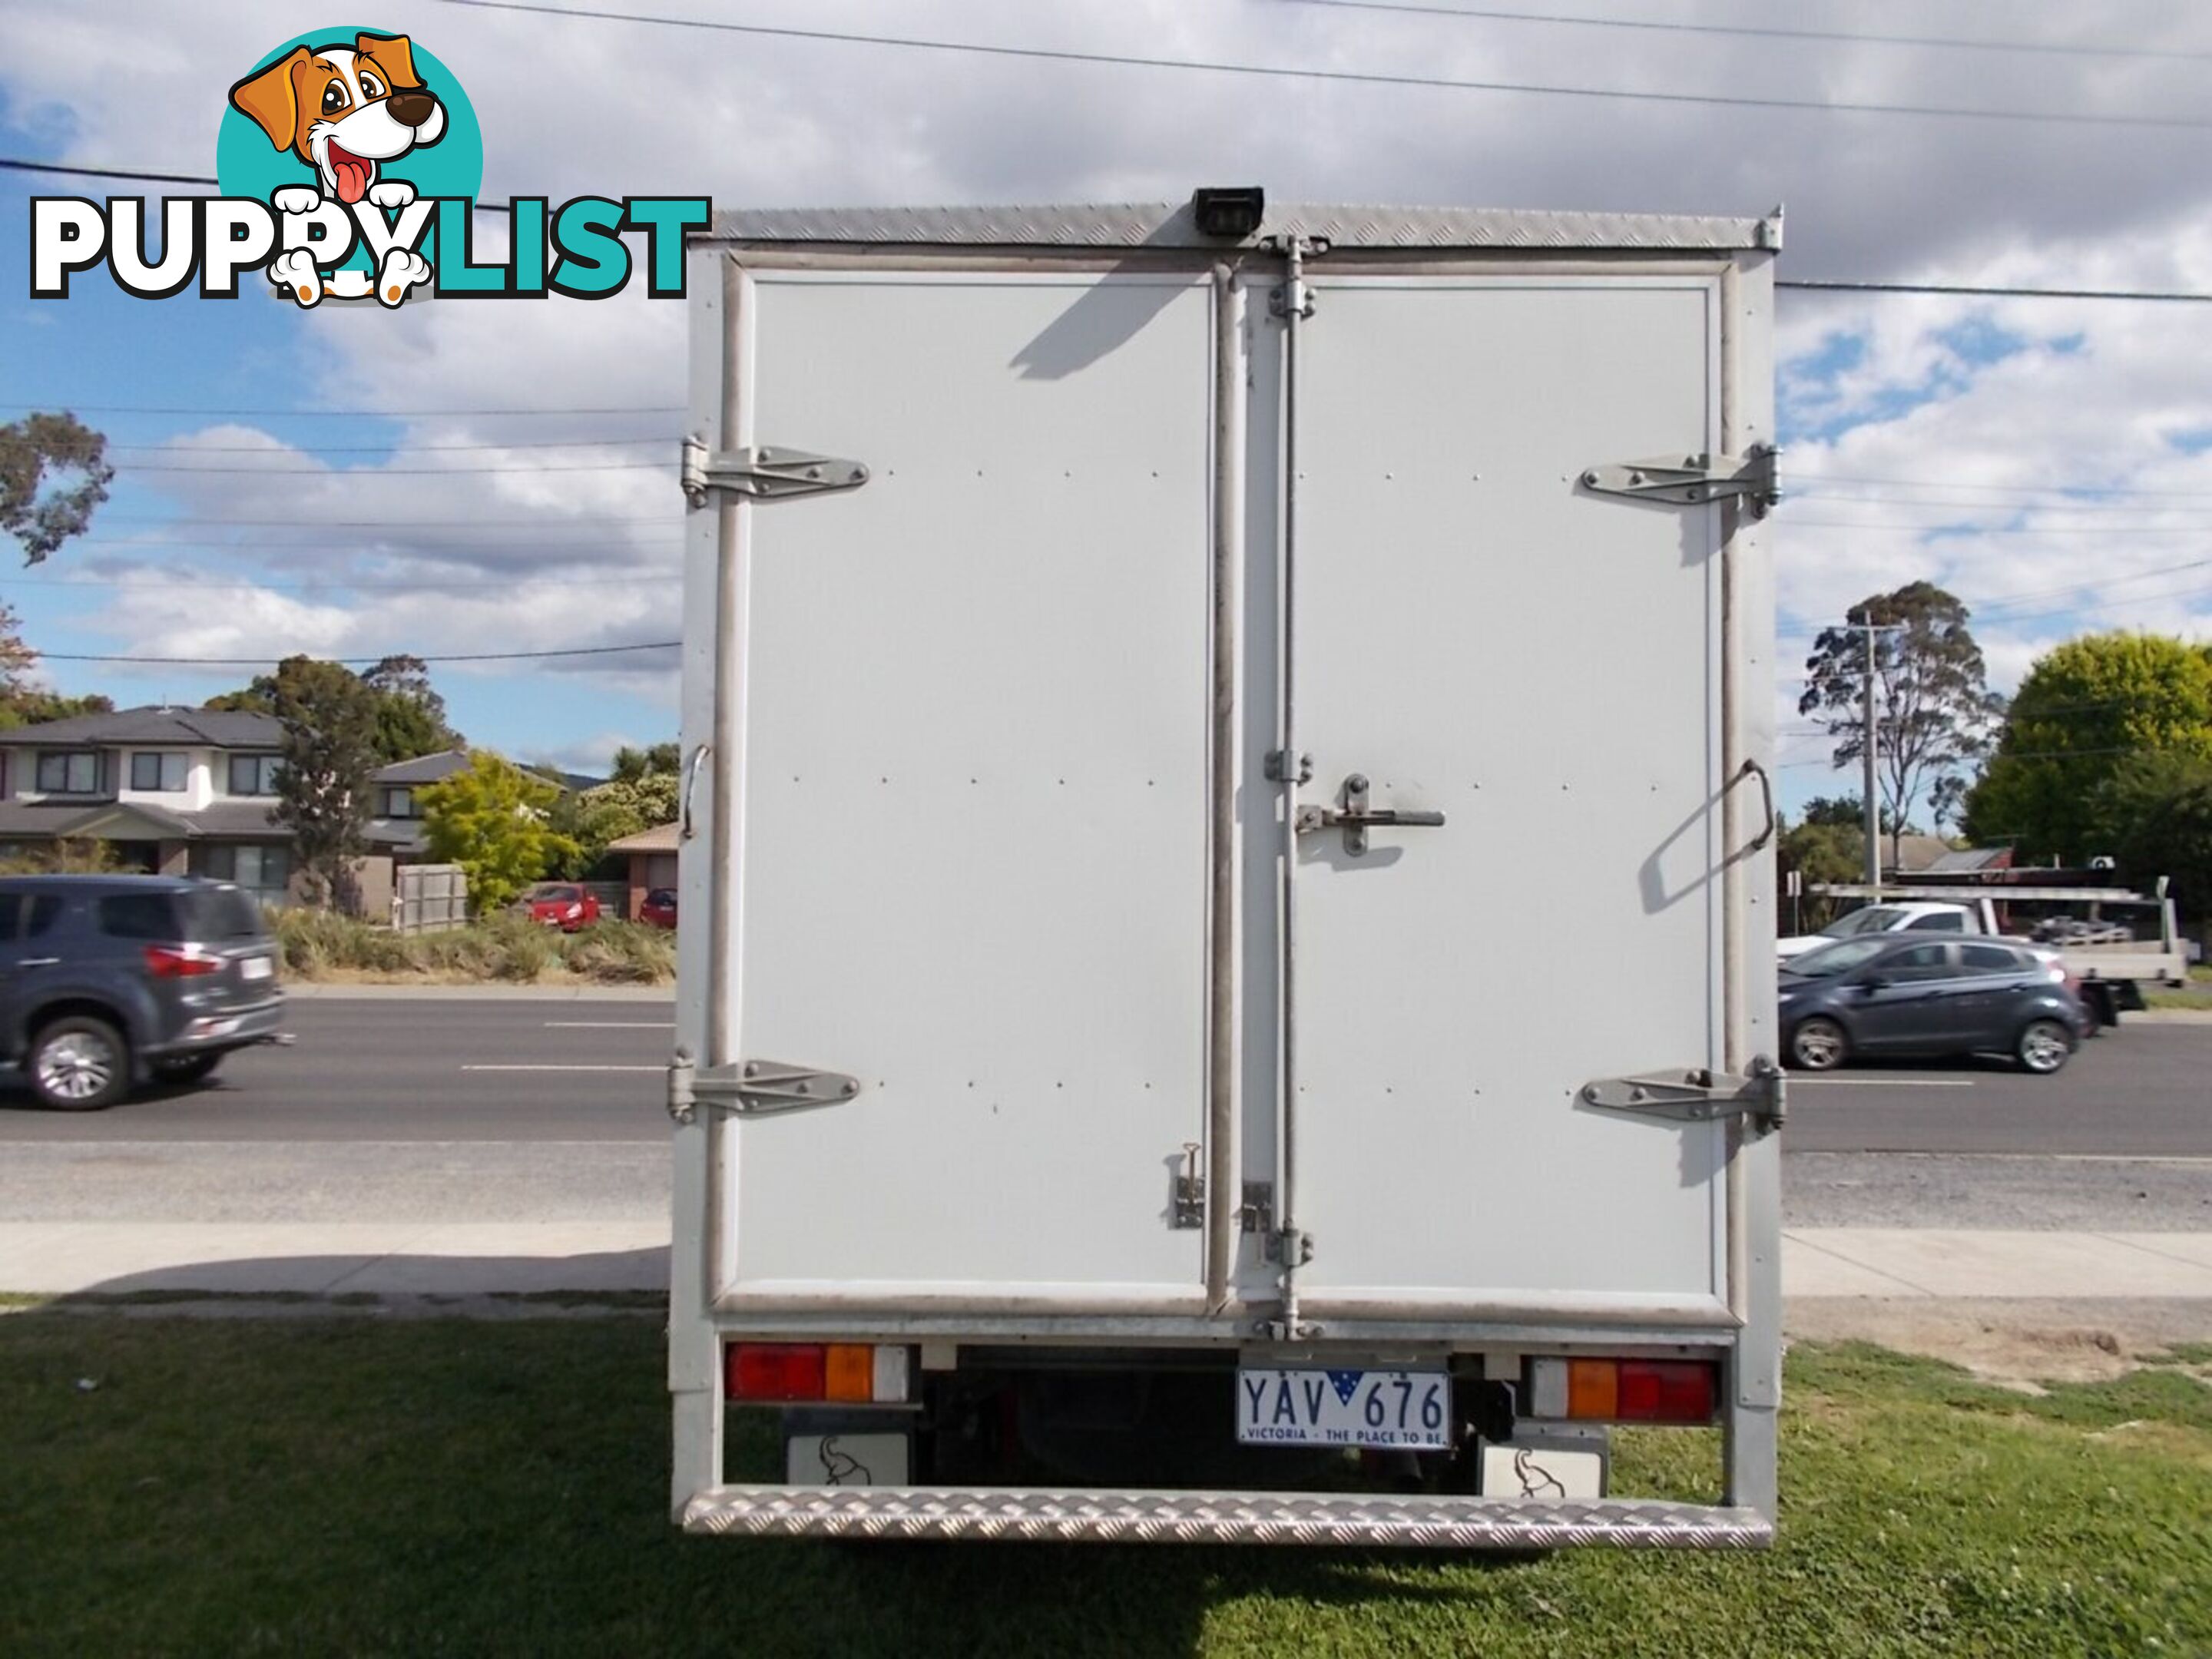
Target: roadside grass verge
{"x": 452, "y": 1487}
{"x": 320, "y": 946}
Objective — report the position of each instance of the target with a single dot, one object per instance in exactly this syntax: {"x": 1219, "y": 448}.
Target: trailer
{"x": 1138, "y": 663}
{"x": 2110, "y": 964}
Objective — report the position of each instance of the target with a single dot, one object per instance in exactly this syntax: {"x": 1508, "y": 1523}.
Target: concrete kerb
{"x": 483, "y": 1258}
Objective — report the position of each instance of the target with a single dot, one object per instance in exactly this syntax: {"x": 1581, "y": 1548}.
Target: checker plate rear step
{"x": 1025, "y": 1515}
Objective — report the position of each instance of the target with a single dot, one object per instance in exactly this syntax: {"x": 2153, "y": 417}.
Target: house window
{"x": 264, "y": 872}
{"x": 73, "y": 772}
{"x": 156, "y": 772}
{"x": 399, "y": 802}
{"x": 253, "y": 774}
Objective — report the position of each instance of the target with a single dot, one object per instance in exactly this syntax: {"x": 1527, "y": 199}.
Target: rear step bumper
{"x": 1025, "y": 1515}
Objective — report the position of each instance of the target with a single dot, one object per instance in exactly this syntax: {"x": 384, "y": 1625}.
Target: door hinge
{"x": 1698, "y": 1097}
{"x": 763, "y": 472}
{"x": 1694, "y": 480}
{"x": 753, "y": 1088}
{"x": 1187, "y": 1206}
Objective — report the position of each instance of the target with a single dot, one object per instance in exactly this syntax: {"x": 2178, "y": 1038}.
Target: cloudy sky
{"x": 2049, "y": 460}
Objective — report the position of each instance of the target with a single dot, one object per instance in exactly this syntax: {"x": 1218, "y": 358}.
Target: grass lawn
{"x": 311, "y": 1486}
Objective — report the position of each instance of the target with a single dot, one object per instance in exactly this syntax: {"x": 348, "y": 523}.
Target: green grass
{"x": 444, "y": 1486}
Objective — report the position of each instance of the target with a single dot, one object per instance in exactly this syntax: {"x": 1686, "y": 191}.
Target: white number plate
{"x": 256, "y": 968}
{"x": 1317, "y": 1407}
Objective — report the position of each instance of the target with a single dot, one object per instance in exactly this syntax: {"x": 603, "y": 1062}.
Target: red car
{"x": 560, "y": 904}
{"x": 658, "y": 909}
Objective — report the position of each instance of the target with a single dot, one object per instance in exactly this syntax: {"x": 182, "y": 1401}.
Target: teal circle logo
{"x": 341, "y": 110}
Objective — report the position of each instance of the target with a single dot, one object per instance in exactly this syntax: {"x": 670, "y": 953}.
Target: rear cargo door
{"x": 1478, "y": 635}
{"x": 973, "y": 840}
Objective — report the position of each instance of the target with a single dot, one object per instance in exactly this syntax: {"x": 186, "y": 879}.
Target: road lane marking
{"x": 608, "y": 1025}
{"x": 564, "y": 1068}
{"x": 1881, "y": 1083}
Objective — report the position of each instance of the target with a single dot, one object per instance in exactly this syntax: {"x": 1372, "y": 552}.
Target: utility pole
{"x": 1873, "y": 800}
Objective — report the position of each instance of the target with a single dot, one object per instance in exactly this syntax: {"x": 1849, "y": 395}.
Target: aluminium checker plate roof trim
{"x": 1171, "y": 225}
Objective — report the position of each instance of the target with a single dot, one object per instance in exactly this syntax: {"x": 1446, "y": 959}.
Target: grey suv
{"x": 107, "y": 981}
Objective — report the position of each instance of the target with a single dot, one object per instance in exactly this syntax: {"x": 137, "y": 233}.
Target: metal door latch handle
{"x": 1355, "y": 818}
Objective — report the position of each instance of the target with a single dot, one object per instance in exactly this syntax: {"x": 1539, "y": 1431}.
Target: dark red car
{"x": 562, "y": 904}
{"x": 658, "y": 909}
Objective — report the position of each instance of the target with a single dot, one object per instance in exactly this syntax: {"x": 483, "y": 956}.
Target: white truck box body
{"x": 984, "y": 840}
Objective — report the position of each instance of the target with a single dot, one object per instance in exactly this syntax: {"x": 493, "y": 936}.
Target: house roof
{"x": 1969, "y": 859}
{"x": 429, "y": 769}
{"x": 223, "y": 820}
{"x": 188, "y": 727}
{"x": 397, "y": 835}
{"x": 661, "y": 838}
{"x": 1917, "y": 853}
{"x": 424, "y": 769}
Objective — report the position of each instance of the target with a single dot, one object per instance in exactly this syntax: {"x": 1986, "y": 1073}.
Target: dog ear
{"x": 393, "y": 53}
{"x": 270, "y": 97}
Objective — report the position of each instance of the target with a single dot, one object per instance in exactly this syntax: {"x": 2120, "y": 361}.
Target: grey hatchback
{"x": 109, "y": 980}
{"x": 1909, "y": 994}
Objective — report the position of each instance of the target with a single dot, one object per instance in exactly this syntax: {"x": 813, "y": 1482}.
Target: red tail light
{"x": 862, "y": 1373}
{"x": 1623, "y": 1390}
{"x": 169, "y": 962}
{"x": 1666, "y": 1391}
{"x": 778, "y": 1370}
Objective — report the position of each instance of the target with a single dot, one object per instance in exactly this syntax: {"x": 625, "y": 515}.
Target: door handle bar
{"x": 1355, "y": 818}
{"x": 1752, "y": 769}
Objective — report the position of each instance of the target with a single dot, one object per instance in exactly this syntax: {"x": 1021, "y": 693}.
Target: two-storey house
{"x": 188, "y": 792}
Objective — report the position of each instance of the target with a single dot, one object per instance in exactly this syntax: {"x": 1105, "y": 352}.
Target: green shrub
{"x": 506, "y": 947}
{"x": 622, "y": 953}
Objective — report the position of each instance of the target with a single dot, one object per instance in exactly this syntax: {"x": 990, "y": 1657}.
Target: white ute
{"x": 1941, "y": 917}
{"x": 1137, "y": 661}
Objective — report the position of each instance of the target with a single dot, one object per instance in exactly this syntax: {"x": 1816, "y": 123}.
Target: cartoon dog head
{"x": 344, "y": 110}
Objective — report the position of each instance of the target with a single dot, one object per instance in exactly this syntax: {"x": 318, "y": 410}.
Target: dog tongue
{"x": 353, "y": 179}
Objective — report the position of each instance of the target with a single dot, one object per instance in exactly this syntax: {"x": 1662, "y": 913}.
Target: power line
{"x": 1358, "y": 77}
{"x": 1799, "y": 482}
{"x": 2011, "y": 599}
{"x": 1844, "y": 499}
{"x": 438, "y": 585}
{"x": 1810, "y": 285}
{"x": 331, "y": 474}
{"x": 173, "y": 448}
{"x": 2101, "y": 604}
{"x": 338, "y": 414}
{"x": 303, "y": 525}
{"x": 24, "y": 164}
{"x": 21, "y": 164}
{"x": 1803, "y": 285}
{"x": 156, "y": 543}
{"x": 255, "y": 662}
{"x": 1951, "y": 526}
{"x": 2033, "y": 47}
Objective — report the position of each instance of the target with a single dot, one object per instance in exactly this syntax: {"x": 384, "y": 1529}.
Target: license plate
{"x": 1331, "y": 1407}
{"x": 256, "y": 968}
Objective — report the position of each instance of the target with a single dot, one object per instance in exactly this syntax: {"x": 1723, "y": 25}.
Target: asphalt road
{"x": 2143, "y": 1090}
{"x": 543, "y": 1110}
{"x": 394, "y": 1070}
{"x": 552, "y": 1071}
